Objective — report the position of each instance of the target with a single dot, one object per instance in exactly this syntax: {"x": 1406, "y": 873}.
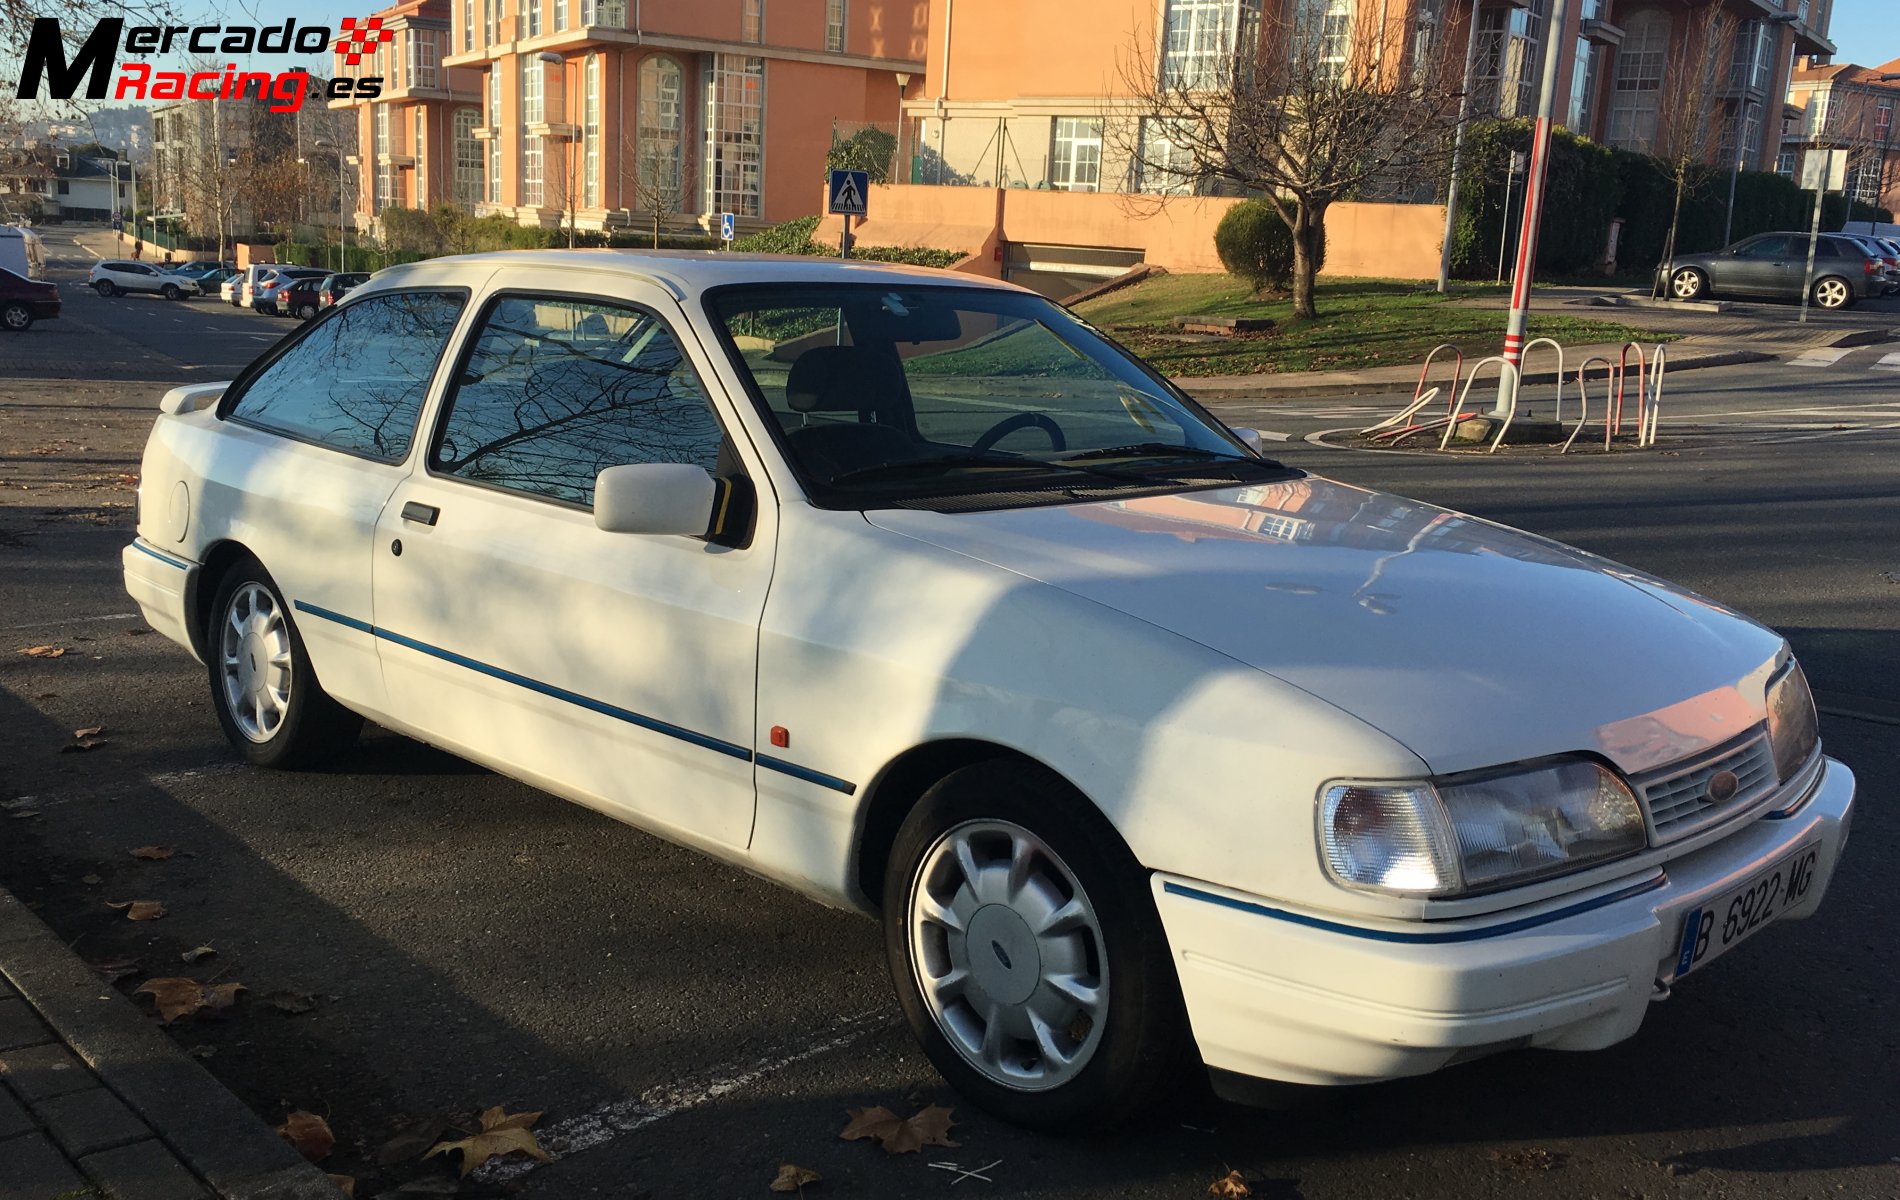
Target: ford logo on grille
{"x": 1722, "y": 787}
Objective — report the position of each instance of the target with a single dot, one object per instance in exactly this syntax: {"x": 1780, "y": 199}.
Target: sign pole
{"x": 1814, "y": 238}
{"x": 1533, "y": 209}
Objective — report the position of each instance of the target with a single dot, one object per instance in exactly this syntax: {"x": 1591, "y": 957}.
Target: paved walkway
{"x": 98, "y": 1102}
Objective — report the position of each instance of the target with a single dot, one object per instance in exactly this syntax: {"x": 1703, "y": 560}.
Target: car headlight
{"x": 1478, "y": 833}
{"x": 1793, "y": 728}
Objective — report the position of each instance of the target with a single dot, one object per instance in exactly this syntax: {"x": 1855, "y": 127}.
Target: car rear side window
{"x": 355, "y": 380}
{"x": 556, "y": 390}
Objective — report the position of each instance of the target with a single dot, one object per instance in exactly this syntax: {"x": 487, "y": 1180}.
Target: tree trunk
{"x": 1669, "y": 242}
{"x": 1309, "y": 240}
{"x": 656, "y": 226}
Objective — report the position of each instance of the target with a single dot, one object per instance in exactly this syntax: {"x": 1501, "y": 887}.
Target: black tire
{"x": 307, "y": 311}
{"x": 16, "y": 316}
{"x": 1144, "y": 1049}
{"x": 1688, "y": 284}
{"x": 106, "y": 288}
{"x": 311, "y": 727}
{"x": 170, "y": 292}
{"x": 1833, "y": 293}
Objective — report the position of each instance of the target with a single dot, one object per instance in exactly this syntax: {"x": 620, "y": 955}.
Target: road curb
{"x": 209, "y": 1129}
{"x": 1266, "y": 390}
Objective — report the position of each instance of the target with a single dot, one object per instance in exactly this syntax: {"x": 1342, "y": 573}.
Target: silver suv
{"x": 109, "y": 277}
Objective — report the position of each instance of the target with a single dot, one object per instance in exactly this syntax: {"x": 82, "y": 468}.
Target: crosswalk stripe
{"x": 1890, "y": 363}
{"x": 1820, "y": 357}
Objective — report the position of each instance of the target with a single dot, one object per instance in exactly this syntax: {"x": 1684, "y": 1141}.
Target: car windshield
{"x": 884, "y": 393}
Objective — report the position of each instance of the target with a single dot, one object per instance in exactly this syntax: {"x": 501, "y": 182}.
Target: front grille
{"x": 1677, "y": 796}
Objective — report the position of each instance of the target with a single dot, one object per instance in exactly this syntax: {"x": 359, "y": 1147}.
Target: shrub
{"x": 1255, "y": 244}
{"x": 793, "y": 237}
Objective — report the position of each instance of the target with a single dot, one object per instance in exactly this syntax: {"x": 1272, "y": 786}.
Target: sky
{"x": 1867, "y": 31}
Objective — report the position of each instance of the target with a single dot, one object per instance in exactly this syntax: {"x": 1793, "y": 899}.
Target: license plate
{"x": 1711, "y": 929}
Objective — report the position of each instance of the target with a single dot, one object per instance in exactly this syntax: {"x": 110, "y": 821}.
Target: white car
{"x": 267, "y": 296}
{"x": 244, "y": 293}
{"x": 228, "y": 290}
{"x": 110, "y": 277}
{"x": 909, "y": 590}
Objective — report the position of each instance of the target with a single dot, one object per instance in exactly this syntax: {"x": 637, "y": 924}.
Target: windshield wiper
{"x": 1158, "y": 450}
{"x": 907, "y": 467}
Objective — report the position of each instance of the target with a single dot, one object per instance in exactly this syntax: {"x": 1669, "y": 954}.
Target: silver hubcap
{"x": 255, "y": 647}
{"x": 1687, "y": 285}
{"x": 16, "y": 317}
{"x": 1832, "y": 293}
{"x": 1008, "y": 954}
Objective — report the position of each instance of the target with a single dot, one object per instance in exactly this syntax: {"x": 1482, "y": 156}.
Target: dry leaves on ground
{"x": 345, "y": 1184}
{"x": 309, "y": 1134}
{"x": 900, "y": 1135}
{"x": 43, "y": 651}
{"x": 139, "y": 910}
{"x": 114, "y": 969}
{"x": 177, "y": 998}
{"x": 197, "y": 954}
{"x": 153, "y": 853}
{"x": 1230, "y": 1186}
{"x": 412, "y": 1141}
{"x": 793, "y": 1178}
{"x": 84, "y": 744}
{"x": 291, "y": 1002}
{"x": 502, "y": 1133}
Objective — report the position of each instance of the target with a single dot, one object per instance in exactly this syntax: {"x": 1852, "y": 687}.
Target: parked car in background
{"x": 912, "y": 591}
{"x": 111, "y": 276}
{"x": 245, "y": 291}
{"x": 1889, "y": 256}
{"x": 24, "y": 301}
{"x": 334, "y": 287}
{"x": 299, "y": 300}
{"x": 268, "y": 295}
{"x": 1773, "y": 266}
{"x": 228, "y": 287}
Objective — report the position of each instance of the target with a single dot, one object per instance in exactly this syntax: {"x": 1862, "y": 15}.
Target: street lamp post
{"x": 567, "y": 143}
{"x": 341, "y": 226}
{"x": 1742, "y": 104}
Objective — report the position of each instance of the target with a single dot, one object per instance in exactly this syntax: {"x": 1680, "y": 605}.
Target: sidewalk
{"x": 98, "y": 1102}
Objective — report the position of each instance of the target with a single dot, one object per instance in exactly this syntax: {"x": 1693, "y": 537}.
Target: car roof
{"x": 682, "y": 272}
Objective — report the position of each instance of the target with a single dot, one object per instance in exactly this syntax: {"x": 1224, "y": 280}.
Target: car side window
{"x": 1768, "y": 247}
{"x": 355, "y": 380}
{"x": 555, "y": 390}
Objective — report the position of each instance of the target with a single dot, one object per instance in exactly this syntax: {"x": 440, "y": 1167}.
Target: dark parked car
{"x": 1774, "y": 266}
{"x": 335, "y": 287}
{"x": 300, "y": 298}
{"x": 24, "y": 301}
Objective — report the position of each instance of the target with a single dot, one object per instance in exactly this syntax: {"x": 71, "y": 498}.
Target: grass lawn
{"x": 1362, "y": 323}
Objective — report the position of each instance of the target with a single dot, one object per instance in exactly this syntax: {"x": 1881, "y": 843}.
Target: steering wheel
{"x": 1009, "y": 425}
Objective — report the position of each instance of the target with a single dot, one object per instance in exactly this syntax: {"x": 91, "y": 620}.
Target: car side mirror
{"x": 654, "y": 498}
{"x": 1253, "y": 440}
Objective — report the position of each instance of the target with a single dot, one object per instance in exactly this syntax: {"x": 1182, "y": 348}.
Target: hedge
{"x": 1589, "y": 185}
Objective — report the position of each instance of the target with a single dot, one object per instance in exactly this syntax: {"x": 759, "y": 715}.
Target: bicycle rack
{"x": 1420, "y": 396}
{"x": 1458, "y": 409}
{"x": 1647, "y": 437}
{"x": 1611, "y": 375}
{"x": 1642, "y": 383}
{"x": 1525, "y": 357}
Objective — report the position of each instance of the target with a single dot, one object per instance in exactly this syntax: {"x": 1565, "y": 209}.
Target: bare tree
{"x": 1691, "y": 113}
{"x": 1316, "y": 103}
{"x": 654, "y": 180}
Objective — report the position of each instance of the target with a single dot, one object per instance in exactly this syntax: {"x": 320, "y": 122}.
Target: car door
{"x": 315, "y": 437}
{"x": 616, "y": 669}
{"x": 1758, "y": 267}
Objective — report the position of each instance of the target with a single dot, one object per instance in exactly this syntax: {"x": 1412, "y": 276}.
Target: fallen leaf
{"x": 412, "y": 1142}
{"x": 197, "y": 954}
{"x": 177, "y": 998}
{"x": 153, "y": 853}
{"x": 90, "y": 877}
{"x": 1230, "y": 1186}
{"x": 43, "y": 651}
{"x": 89, "y": 731}
{"x": 80, "y": 747}
{"x": 25, "y": 814}
{"x": 345, "y": 1184}
{"x": 929, "y": 1127}
{"x": 291, "y": 1002}
{"x": 502, "y": 1134}
{"x": 139, "y": 910}
{"x": 792, "y": 1178}
{"x": 309, "y": 1134}
{"x": 114, "y": 969}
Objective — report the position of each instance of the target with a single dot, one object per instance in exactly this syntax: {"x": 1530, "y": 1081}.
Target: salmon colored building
{"x": 416, "y": 140}
{"x": 1842, "y": 106}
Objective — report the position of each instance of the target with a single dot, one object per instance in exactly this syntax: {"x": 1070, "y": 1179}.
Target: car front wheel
{"x": 1027, "y": 954}
{"x": 170, "y": 292}
{"x": 267, "y": 697}
{"x": 1687, "y": 284}
{"x": 105, "y": 288}
{"x": 1832, "y": 293}
{"x": 16, "y": 316}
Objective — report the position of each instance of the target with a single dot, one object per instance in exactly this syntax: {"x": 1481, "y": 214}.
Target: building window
{"x": 1785, "y": 164}
{"x": 560, "y": 14}
{"x": 1325, "y": 29}
{"x": 1636, "y": 94}
{"x": 604, "y": 12}
{"x": 590, "y": 132}
{"x": 533, "y": 112}
{"x": 466, "y": 18}
{"x": 420, "y": 45}
{"x": 1164, "y": 167}
{"x": 735, "y": 134}
{"x": 385, "y": 173}
{"x": 491, "y": 22}
{"x": 528, "y": 20}
{"x": 494, "y": 134}
{"x": 1075, "y": 163}
{"x": 1201, "y": 38}
{"x": 1583, "y": 74}
{"x": 661, "y": 146}
{"x": 468, "y": 159}
{"x": 1510, "y": 58}
{"x": 1428, "y": 34}
{"x": 752, "y": 20}
{"x": 834, "y": 26}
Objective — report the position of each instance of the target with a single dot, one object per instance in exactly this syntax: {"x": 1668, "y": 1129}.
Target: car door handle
{"x": 421, "y": 514}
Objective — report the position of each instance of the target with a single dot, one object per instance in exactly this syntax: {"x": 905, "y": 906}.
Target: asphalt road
{"x": 468, "y": 941}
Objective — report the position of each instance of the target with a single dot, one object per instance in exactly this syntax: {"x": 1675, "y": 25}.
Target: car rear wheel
{"x": 105, "y": 287}
{"x": 1832, "y": 293}
{"x": 170, "y": 292}
{"x": 16, "y": 316}
{"x": 1027, "y": 954}
{"x": 268, "y": 700}
{"x": 307, "y": 311}
{"x": 1687, "y": 284}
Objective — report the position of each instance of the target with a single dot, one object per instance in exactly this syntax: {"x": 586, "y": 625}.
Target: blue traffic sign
{"x": 726, "y": 226}
{"x": 850, "y": 193}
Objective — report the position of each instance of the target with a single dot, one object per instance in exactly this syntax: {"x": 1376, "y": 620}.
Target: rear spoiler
{"x": 191, "y": 397}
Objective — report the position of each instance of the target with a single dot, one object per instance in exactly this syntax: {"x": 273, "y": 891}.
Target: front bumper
{"x": 164, "y": 586}
{"x": 1277, "y": 994}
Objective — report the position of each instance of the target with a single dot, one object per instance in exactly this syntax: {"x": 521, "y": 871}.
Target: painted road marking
{"x": 1820, "y": 357}
{"x": 1890, "y": 363}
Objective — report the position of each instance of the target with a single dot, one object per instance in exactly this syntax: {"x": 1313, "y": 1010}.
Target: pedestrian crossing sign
{"x": 850, "y": 193}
